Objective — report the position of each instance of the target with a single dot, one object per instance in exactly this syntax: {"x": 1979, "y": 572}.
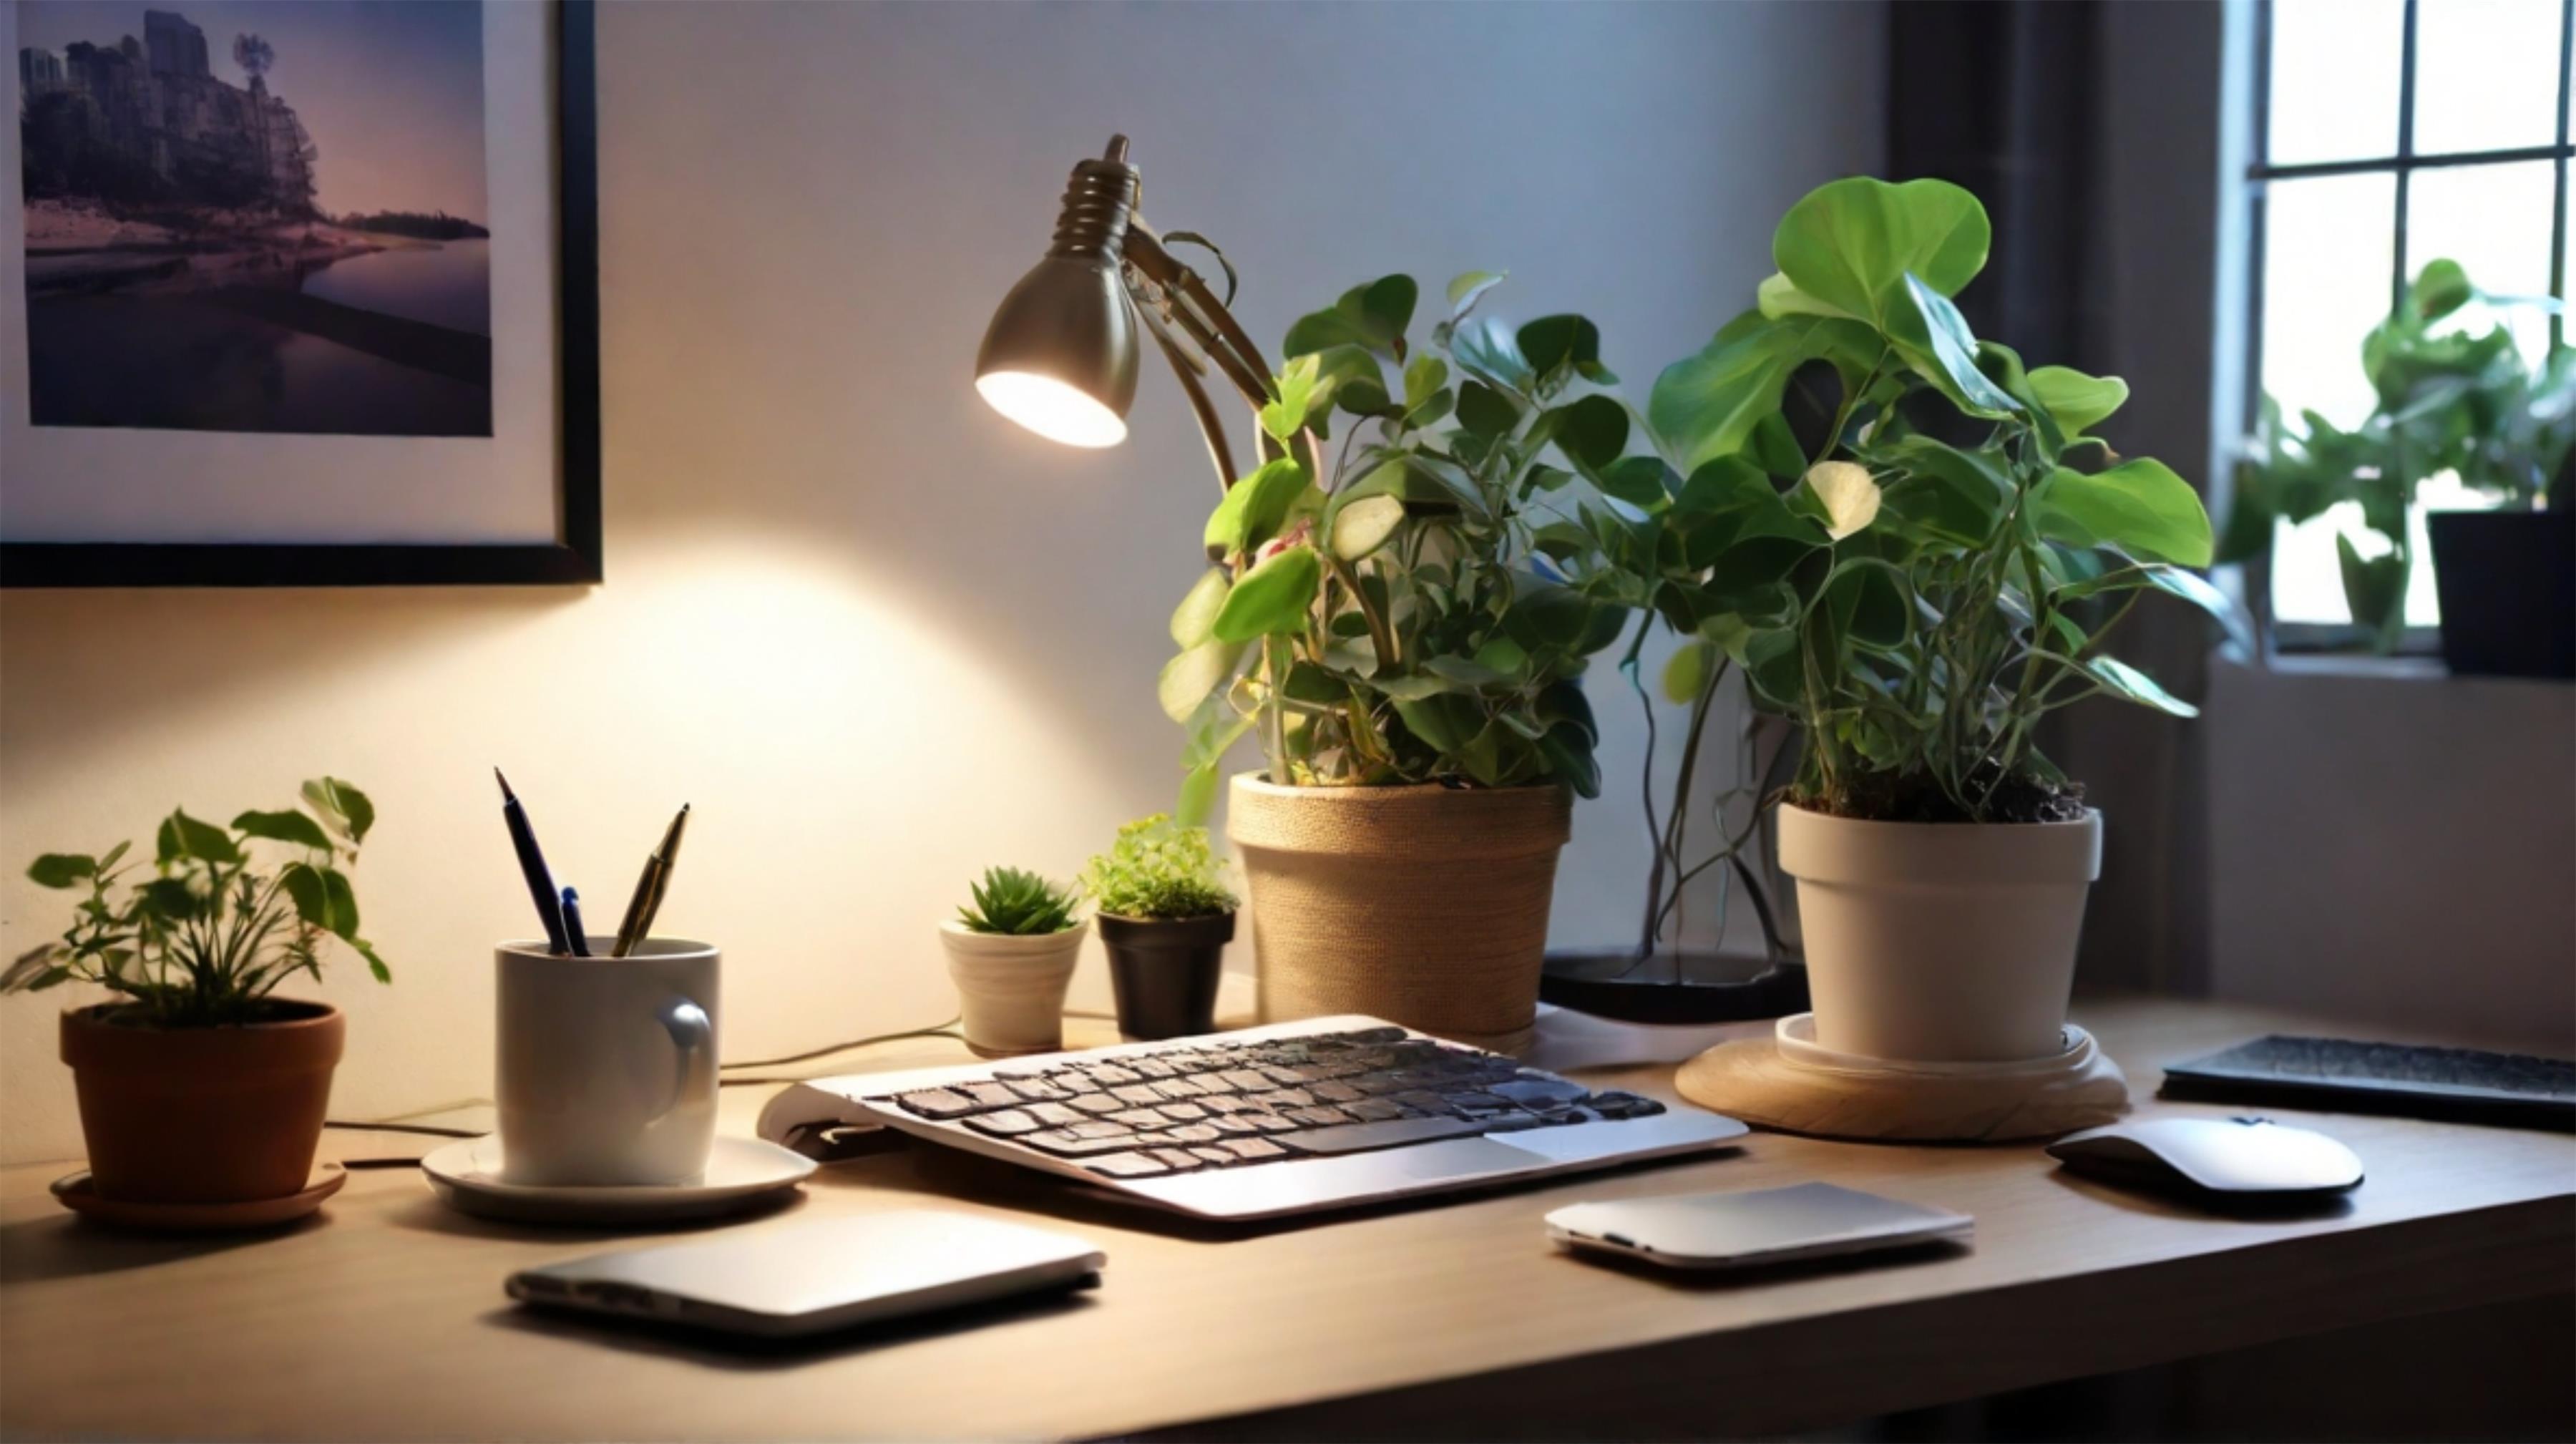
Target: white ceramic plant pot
{"x": 1940, "y": 942}
{"x": 1010, "y": 989}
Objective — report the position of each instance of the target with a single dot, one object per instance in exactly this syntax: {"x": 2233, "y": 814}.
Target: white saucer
{"x": 742, "y": 1173}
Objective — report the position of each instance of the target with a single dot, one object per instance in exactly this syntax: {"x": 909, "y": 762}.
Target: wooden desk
{"x": 384, "y": 1319}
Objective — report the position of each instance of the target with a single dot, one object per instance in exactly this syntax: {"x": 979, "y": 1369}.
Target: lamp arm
{"x": 1186, "y": 368}
{"x": 1201, "y": 313}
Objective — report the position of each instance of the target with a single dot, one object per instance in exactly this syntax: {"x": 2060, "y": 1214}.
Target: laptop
{"x": 1262, "y": 1122}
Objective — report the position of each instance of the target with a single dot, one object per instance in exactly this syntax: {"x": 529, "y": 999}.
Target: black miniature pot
{"x": 2507, "y": 582}
{"x": 1165, "y": 972}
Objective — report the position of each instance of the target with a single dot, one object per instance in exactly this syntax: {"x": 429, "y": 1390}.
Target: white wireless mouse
{"x": 2237, "y": 1158}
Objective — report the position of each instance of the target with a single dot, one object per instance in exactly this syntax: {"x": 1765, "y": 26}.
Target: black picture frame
{"x": 573, "y": 559}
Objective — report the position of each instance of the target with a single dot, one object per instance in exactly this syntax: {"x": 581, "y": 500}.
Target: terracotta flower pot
{"x": 1940, "y": 942}
{"x": 1425, "y": 906}
{"x": 203, "y": 1115}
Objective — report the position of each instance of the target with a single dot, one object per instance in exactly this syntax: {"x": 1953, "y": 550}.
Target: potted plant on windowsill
{"x": 1917, "y": 606}
{"x": 2451, "y": 399}
{"x": 1398, "y": 630}
{"x": 197, "y": 1084}
{"x": 1165, "y": 919}
{"x": 1012, "y": 952}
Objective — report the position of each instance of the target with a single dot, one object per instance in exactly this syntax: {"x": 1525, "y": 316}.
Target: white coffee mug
{"x": 607, "y": 1065}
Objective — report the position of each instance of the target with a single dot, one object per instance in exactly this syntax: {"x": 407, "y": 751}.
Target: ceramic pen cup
{"x": 607, "y": 1069}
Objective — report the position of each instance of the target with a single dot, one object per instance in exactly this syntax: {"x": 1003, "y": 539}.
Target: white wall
{"x": 879, "y": 637}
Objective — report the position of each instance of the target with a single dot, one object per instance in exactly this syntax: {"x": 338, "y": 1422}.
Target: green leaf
{"x": 292, "y": 827}
{"x": 2139, "y": 505}
{"x": 1779, "y": 296}
{"x": 1553, "y": 341}
{"x": 1958, "y": 494}
{"x": 1569, "y": 755}
{"x": 2077, "y": 401}
{"x": 2129, "y": 684}
{"x": 1286, "y": 416}
{"x": 1373, "y": 315}
{"x": 1364, "y": 525}
{"x": 2375, "y": 589}
{"x": 1485, "y": 411}
{"x": 1272, "y": 598}
{"x": 29, "y": 966}
{"x": 1637, "y": 480}
{"x": 1850, "y": 244}
{"x": 1687, "y": 670}
{"x": 375, "y": 963}
{"x": 322, "y": 897}
{"x": 202, "y": 840}
{"x": 1423, "y": 380}
{"x": 62, "y": 869}
{"x": 172, "y": 898}
{"x": 1723, "y": 484}
{"x": 345, "y": 810}
{"x": 1935, "y": 340}
{"x": 1187, "y": 679}
{"x": 1592, "y": 432}
{"x": 1195, "y": 617}
{"x": 1198, "y": 796}
{"x": 1707, "y": 406}
{"x": 1255, "y": 507}
{"x": 1387, "y": 307}
{"x": 1468, "y": 288}
{"x": 2191, "y": 586}
{"x": 1486, "y": 347}
{"x": 2441, "y": 288}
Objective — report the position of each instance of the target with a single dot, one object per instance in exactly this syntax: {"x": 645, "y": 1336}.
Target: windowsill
{"x": 2398, "y": 668}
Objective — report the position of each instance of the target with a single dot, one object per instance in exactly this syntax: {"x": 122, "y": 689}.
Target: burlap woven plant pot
{"x": 1425, "y": 906}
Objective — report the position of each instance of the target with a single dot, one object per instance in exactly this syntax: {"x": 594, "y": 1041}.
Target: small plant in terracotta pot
{"x": 197, "y": 1084}
{"x": 1011, "y": 951}
{"x": 1165, "y": 918}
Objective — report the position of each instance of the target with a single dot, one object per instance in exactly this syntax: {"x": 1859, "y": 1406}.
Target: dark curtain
{"x": 2091, "y": 132}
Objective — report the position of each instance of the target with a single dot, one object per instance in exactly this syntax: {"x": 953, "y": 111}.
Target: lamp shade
{"x": 1060, "y": 356}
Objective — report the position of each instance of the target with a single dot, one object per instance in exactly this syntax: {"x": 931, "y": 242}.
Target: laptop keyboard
{"x": 1218, "y": 1103}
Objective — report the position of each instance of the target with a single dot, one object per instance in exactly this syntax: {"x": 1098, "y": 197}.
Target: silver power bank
{"x": 1741, "y": 1230}
{"x": 791, "y": 1279}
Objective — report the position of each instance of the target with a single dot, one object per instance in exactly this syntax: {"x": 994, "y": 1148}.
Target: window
{"x": 2390, "y": 133}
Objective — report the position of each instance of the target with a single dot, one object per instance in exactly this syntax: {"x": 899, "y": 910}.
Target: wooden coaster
{"x": 1786, "y": 1082}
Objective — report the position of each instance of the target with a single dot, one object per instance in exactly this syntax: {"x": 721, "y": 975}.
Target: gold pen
{"x": 649, "y": 888}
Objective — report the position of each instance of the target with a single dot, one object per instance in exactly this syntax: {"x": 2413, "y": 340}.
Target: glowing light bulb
{"x": 1052, "y": 409}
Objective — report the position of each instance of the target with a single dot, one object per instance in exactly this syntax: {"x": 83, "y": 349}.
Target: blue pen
{"x": 541, "y": 883}
{"x": 572, "y": 923}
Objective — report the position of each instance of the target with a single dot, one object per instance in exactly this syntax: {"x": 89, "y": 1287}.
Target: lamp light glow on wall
{"x": 1060, "y": 355}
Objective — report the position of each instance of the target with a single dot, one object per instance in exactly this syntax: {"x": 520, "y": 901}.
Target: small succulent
{"x": 1012, "y": 900}
{"x": 1158, "y": 869}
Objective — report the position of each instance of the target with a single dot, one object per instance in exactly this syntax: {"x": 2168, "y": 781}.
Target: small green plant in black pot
{"x": 1165, "y": 918}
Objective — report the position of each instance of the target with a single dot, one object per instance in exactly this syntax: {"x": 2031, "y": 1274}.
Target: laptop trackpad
{"x": 1452, "y": 1158}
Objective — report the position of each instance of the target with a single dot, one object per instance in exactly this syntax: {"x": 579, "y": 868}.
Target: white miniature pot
{"x": 1010, "y": 987}
{"x": 1940, "y": 942}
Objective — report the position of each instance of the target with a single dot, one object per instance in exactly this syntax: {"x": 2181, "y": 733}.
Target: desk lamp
{"x": 1060, "y": 356}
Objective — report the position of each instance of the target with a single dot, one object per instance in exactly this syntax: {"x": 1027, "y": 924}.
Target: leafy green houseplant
{"x": 1390, "y": 611}
{"x": 1916, "y": 588}
{"x": 2451, "y": 397}
{"x": 197, "y": 1083}
{"x": 1165, "y": 918}
{"x": 1011, "y": 951}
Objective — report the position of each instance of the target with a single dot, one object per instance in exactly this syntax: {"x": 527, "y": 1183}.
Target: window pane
{"x": 2495, "y": 221}
{"x": 2335, "y": 70}
{"x": 2328, "y": 247}
{"x": 2486, "y": 74}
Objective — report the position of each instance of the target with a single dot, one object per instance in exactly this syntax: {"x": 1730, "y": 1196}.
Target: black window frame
{"x": 2403, "y": 163}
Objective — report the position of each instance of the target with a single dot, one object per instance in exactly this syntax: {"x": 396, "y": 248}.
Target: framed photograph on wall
{"x": 300, "y": 295}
